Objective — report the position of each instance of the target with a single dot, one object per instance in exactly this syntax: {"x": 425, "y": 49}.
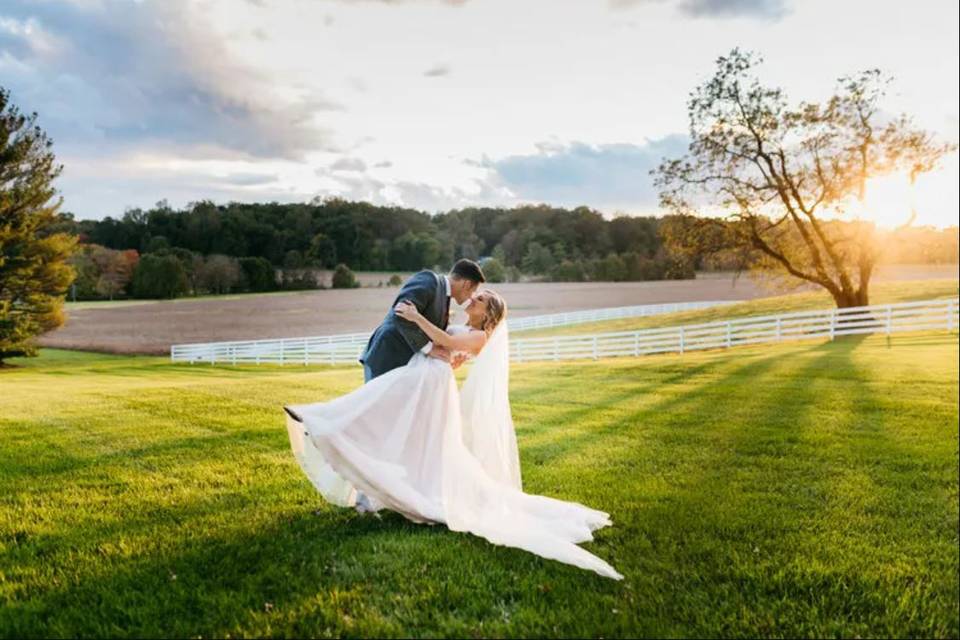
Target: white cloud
{"x": 196, "y": 99}
{"x": 149, "y": 72}
{"x": 609, "y": 176}
{"x": 437, "y": 71}
{"x": 349, "y": 164}
{"x": 764, "y": 9}
{"x": 761, "y": 9}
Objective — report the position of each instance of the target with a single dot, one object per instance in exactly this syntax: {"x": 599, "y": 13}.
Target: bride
{"x": 407, "y": 441}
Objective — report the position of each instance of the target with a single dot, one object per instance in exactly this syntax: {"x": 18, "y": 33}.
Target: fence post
{"x": 282, "y": 347}
{"x": 681, "y": 340}
{"x": 889, "y": 318}
{"x": 636, "y": 343}
{"x": 306, "y": 352}
{"x": 233, "y": 354}
{"x": 833, "y": 323}
{"x": 779, "y": 328}
{"x": 729, "y": 332}
{"x": 595, "y": 354}
{"x": 950, "y": 315}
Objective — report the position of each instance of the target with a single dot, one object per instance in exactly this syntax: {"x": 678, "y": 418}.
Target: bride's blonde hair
{"x": 496, "y": 311}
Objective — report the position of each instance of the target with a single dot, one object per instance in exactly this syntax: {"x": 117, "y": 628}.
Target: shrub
{"x": 344, "y": 278}
{"x": 258, "y": 274}
{"x": 160, "y": 276}
{"x": 85, "y": 285}
{"x": 192, "y": 263}
{"x": 494, "y": 270}
{"x": 220, "y": 274}
{"x": 569, "y": 271}
{"x": 299, "y": 280}
{"x": 395, "y": 281}
{"x": 610, "y": 269}
{"x": 679, "y": 269}
{"x": 538, "y": 259}
{"x": 293, "y": 260}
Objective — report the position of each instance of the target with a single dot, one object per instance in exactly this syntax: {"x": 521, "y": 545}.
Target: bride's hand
{"x": 407, "y": 310}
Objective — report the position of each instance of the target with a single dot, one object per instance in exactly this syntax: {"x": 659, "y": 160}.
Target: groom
{"x": 395, "y": 341}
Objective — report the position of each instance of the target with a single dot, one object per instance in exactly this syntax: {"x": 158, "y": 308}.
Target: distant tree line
{"x": 208, "y": 248}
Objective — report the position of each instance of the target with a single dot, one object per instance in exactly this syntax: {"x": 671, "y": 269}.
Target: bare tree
{"x": 782, "y": 178}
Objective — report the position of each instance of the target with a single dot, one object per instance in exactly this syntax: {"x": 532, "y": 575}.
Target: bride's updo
{"x": 496, "y": 311}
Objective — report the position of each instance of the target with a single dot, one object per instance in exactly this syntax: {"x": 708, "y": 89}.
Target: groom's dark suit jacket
{"x": 396, "y": 340}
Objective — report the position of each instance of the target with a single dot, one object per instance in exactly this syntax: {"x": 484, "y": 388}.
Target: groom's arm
{"x": 420, "y": 291}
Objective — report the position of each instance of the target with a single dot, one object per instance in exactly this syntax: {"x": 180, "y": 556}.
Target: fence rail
{"x": 612, "y": 313}
{"x": 344, "y": 348}
{"x": 316, "y": 350}
{"x": 824, "y": 323}
{"x": 828, "y": 323}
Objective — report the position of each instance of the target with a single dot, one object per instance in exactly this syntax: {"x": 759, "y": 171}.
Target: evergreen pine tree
{"x": 34, "y": 274}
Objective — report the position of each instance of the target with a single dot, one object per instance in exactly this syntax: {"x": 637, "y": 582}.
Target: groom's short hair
{"x": 468, "y": 270}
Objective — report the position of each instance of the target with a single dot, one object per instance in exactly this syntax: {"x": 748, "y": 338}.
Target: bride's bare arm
{"x": 471, "y": 341}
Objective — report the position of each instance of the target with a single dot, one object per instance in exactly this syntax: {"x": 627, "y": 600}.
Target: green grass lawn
{"x": 881, "y": 293}
{"x": 806, "y": 489}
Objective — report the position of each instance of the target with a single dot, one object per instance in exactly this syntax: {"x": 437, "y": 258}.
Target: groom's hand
{"x": 440, "y": 353}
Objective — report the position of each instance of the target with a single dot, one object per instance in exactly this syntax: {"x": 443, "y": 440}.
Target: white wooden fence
{"x": 347, "y": 347}
{"x": 612, "y": 313}
{"x": 316, "y": 350}
{"x": 827, "y": 323}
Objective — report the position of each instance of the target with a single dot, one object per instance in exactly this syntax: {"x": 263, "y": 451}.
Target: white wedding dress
{"x": 412, "y": 444}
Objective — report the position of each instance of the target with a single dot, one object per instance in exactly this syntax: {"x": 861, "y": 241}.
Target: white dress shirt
{"x": 427, "y": 348}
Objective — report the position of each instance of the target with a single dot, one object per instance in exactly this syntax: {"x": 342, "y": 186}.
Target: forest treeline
{"x": 210, "y": 248}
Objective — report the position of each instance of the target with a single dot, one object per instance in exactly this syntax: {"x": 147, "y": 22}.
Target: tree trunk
{"x": 847, "y": 299}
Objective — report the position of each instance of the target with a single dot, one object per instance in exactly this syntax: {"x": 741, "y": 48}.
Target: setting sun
{"x": 889, "y": 199}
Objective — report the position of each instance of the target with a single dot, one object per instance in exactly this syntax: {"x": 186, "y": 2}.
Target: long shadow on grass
{"x": 683, "y": 398}
{"x": 727, "y": 521}
{"x": 207, "y": 586}
{"x": 739, "y": 479}
{"x": 541, "y": 438}
{"x": 892, "y": 501}
{"x": 302, "y": 575}
{"x": 754, "y": 526}
{"x": 684, "y": 442}
{"x": 737, "y": 476}
{"x": 41, "y": 454}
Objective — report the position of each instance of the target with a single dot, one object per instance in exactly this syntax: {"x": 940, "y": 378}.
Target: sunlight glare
{"x": 889, "y": 199}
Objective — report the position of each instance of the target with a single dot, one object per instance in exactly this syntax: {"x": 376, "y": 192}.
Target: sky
{"x": 435, "y": 104}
